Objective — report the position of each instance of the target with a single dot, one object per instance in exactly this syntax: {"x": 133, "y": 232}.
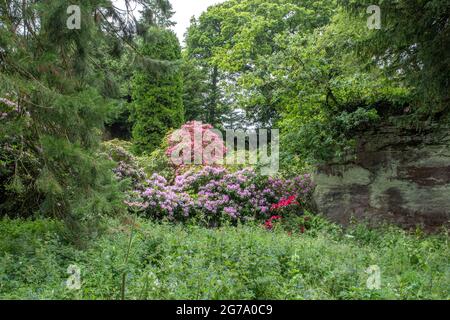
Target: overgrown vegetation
{"x": 168, "y": 261}
{"x": 87, "y": 118}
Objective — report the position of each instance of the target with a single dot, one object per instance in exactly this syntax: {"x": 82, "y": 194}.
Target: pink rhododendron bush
{"x": 195, "y": 143}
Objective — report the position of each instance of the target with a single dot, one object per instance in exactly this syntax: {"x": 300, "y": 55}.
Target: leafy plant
{"x": 167, "y": 261}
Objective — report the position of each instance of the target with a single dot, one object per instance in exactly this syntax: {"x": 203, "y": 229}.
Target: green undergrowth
{"x": 157, "y": 260}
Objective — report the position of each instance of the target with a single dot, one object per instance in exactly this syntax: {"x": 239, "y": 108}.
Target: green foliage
{"x": 329, "y": 93}
{"x": 235, "y": 40}
{"x": 246, "y": 262}
{"x": 156, "y": 12}
{"x": 413, "y": 45}
{"x": 51, "y": 166}
{"x": 24, "y": 235}
{"x": 307, "y": 66}
{"x": 157, "y": 161}
{"x": 194, "y": 89}
{"x": 201, "y": 40}
{"x": 157, "y": 94}
{"x": 306, "y": 223}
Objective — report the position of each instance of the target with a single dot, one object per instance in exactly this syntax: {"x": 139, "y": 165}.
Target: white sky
{"x": 185, "y": 9}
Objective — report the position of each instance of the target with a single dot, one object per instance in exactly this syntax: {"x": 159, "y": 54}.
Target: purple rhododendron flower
{"x": 214, "y": 191}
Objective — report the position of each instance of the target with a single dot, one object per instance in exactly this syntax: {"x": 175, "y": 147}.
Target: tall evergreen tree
{"x": 157, "y": 93}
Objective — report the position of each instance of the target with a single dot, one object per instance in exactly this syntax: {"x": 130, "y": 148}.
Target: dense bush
{"x": 215, "y": 194}
{"x": 244, "y": 262}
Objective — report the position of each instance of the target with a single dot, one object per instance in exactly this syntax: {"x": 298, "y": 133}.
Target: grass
{"x": 165, "y": 261}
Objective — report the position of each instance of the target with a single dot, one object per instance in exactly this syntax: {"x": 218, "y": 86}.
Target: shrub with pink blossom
{"x": 195, "y": 143}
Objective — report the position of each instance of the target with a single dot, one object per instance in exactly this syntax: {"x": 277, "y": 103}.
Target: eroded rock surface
{"x": 397, "y": 175}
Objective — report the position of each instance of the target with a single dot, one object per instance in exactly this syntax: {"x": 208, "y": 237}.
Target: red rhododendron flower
{"x": 284, "y": 203}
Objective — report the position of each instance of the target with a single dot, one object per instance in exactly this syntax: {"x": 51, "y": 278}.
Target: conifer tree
{"x": 157, "y": 93}
{"x": 52, "y": 107}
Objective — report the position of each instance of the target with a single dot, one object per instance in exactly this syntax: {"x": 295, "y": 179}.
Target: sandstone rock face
{"x": 396, "y": 175}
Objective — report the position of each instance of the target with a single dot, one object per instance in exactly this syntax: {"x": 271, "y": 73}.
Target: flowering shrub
{"x": 195, "y": 143}
{"x": 299, "y": 187}
{"x": 290, "y": 213}
{"x": 211, "y": 192}
{"x": 8, "y": 108}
